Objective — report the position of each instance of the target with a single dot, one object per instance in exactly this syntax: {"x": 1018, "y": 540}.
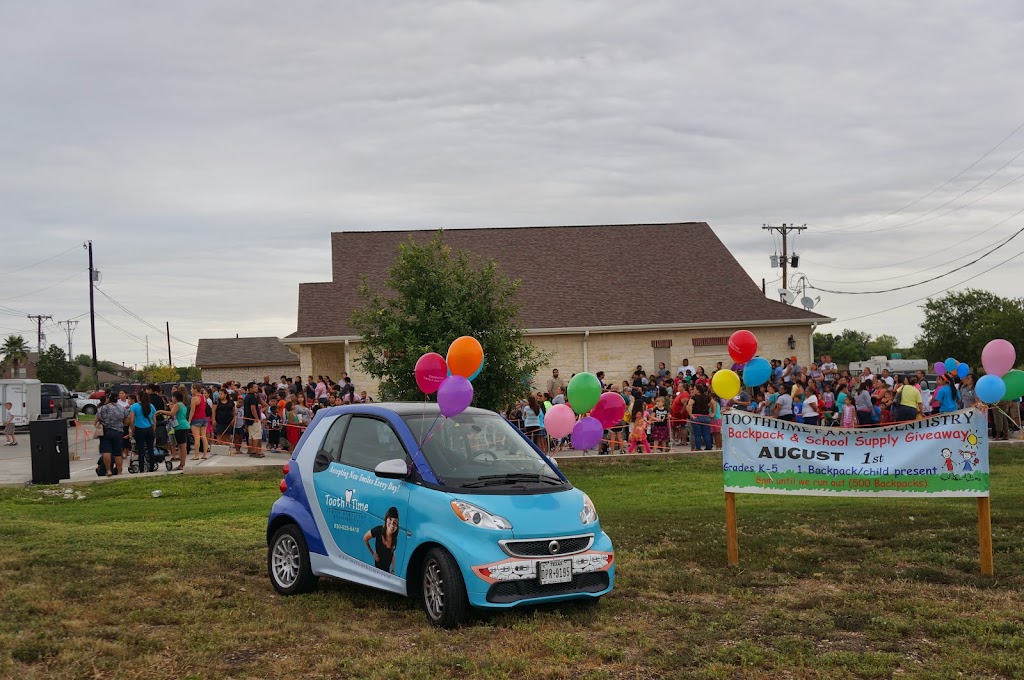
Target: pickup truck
{"x": 57, "y": 402}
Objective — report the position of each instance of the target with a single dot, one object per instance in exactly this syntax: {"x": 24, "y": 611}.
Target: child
{"x": 638, "y": 435}
{"x": 849, "y": 417}
{"x": 659, "y": 425}
{"x": 274, "y": 426}
{"x": 876, "y": 412}
{"x": 760, "y": 404}
{"x": 9, "y": 425}
{"x": 798, "y": 408}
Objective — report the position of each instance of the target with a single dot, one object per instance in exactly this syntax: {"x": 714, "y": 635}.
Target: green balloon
{"x": 584, "y": 391}
{"x": 1014, "y": 384}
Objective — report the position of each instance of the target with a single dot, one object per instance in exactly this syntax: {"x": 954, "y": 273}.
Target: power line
{"x": 52, "y": 285}
{"x": 36, "y": 264}
{"x": 941, "y": 186}
{"x": 118, "y": 328}
{"x": 139, "y": 318}
{"x": 921, "y": 283}
{"x": 959, "y": 283}
{"x": 935, "y": 266}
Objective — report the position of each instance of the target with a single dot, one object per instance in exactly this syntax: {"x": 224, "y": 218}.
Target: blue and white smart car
{"x": 460, "y": 511}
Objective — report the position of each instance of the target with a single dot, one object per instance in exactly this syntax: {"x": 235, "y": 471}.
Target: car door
{"x": 365, "y": 515}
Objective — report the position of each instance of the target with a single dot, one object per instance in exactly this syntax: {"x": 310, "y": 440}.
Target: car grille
{"x": 514, "y": 591}
{"x": 567, "y": 545}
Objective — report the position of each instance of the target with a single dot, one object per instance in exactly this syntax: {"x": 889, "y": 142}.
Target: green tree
{"x": 436, "y": 296}
{"x": 155, "y": 373}
{"x": 883, "y": 345}
{"x": 850, "y": 345}
{"x": 83, "y": 360}
{"x": 15, "y": 351}
{"x": 54, "y": 367}
{"x": 961, "y": 323}
{"x": 190, "y": 373}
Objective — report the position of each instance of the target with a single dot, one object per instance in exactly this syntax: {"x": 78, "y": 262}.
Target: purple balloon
{"x": 939, "y": 368}
{"x": 586, "y": 434}
{"x": 454, "y": 396}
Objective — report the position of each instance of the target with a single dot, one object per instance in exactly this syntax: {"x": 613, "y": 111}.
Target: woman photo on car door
{"x": 386, "y": 537}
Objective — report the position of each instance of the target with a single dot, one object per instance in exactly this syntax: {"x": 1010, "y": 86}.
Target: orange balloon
{"x": 465, "y": 356}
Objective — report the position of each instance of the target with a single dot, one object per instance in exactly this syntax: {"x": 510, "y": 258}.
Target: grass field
{"x": 119, "y": 584}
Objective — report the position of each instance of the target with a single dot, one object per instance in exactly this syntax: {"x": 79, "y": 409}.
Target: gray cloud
{"x": 208, "y": 149}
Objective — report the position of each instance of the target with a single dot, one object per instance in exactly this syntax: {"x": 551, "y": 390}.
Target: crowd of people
{"x": 663, "y": 409}
{"x": 268, "y": 415}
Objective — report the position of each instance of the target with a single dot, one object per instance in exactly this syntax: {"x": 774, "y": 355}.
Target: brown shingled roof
{"x": 572, "y": 277}
{"x": 243, "y": 352}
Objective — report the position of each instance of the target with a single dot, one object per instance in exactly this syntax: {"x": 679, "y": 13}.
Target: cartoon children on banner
{"x": 947, "y": 459}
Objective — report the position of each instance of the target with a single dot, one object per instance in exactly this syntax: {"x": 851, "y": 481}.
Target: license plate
{"x": 555, "y": 571}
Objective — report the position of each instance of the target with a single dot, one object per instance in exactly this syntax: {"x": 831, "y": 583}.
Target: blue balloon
{"x": 756, "y": 372}
{"x": 951, "y": 365}
{"x": 962, "y": 370}
{"x": 473, "y": 377}
{"x": 990, "y": 389}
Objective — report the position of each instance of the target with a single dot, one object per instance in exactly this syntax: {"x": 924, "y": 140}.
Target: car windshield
{"x": 481, "y": 451}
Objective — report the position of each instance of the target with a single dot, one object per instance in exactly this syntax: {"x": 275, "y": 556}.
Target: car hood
{"x": 536, "y": 515}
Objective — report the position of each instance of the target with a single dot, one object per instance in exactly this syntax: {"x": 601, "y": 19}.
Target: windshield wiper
{"x": 511, "y": 478}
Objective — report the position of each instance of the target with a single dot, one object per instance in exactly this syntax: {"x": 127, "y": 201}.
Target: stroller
{"x": 160, "y": 455}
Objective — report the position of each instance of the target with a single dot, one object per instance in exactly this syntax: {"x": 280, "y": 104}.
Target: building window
{"x": 22, "y": 372}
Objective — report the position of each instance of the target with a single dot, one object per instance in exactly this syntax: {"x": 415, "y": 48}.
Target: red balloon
{"x": 431, "y": 369}
{"x": 742, "y": 346}
{"x": 609, "y": 410}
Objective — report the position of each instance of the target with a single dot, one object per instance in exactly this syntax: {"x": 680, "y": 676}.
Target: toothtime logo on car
{"x": 460, "y": 512}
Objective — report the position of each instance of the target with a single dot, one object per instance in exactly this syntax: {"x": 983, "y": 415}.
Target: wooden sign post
{"x": 731, "y": 538}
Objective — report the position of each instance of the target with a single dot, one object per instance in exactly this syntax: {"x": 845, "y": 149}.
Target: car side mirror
{"x": 392, "y": 469}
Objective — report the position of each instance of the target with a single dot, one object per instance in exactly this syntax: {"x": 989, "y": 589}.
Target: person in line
{"x": 254, "y": 420}
{"x": 197, "y": 419}
{"x": 700, "y": 408}
{"x": 113, "y": 418}
{"x": 783, "y": 409}
{"x": 239, "y": 431}
{"x": 659, "y": 425}
{"x": 178, "y": 414}
{"x": 142, "y": 429}
{"x": 862, "y": 401}
{"x": 223, "y": 419}
{"x": 947, "y": 395}
{"x": 811, "y": 408}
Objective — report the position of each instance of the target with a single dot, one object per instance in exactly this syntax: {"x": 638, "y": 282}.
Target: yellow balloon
{"x": 726, "y": 383}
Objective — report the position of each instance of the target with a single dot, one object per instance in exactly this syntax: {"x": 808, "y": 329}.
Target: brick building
{"x": 578, "y": 297}
{"x": 245, "y": 359}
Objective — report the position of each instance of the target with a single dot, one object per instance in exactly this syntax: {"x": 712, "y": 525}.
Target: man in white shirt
{"x": 886, "y": 378}
{"x": 686, "y": 368}
{"x": 828, "y": 369}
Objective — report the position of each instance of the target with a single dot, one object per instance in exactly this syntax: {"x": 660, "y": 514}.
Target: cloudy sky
{"x": 208, "y": 148}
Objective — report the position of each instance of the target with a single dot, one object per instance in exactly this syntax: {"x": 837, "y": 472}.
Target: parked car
{"x": 86, "y": 403}
{"x": 460, "y": 512}
{"x": 57, "y": 402}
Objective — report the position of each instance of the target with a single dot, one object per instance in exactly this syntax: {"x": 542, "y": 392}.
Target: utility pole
{"x": 784, "y": 230}
{"x": 39, "y": 318}
{"x": 169, "y": 363}
{"x": 92, "y": 315}
{"x": 69, "y": 327}
{"x": 147, "y": 350}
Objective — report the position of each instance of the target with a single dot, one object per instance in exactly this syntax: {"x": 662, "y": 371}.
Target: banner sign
{"x": 942, "y": 455}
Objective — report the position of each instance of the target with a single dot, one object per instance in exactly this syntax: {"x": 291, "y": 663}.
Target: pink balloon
{"x": 609, "y": 410}
{"x": 939, "y": 368}
{"x": 454, "y": 396}
{"x": 431, "y": 370}
{"x": 998, "y": 357}
{"x": 558, "y": 421}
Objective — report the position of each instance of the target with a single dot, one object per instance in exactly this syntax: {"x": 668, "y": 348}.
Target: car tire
{"x": 444, "y": 591}
{"x": 89, "y": 410}
{"x": 288, "y": 562}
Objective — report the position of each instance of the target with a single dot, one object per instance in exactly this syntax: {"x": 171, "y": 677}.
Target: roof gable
{"x": 265, "y": 351}
{"x": 571, "y": 277}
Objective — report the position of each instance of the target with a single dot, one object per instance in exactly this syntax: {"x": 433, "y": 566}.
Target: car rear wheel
{"x": 89, "y": 410}
{"x": 288, "y": 562}
{"x": 444, "y": 592}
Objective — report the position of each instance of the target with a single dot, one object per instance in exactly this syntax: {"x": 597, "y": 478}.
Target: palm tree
{"x": 14, "y": 350}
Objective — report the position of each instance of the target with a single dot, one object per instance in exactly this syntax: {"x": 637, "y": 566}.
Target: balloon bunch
{"x": 584, "y": 394}
{"x": 451, "y": 377}
{"x": 953, "y": 367}
{"x": 756, "y": 370}
{"x": 1001, "y": 381}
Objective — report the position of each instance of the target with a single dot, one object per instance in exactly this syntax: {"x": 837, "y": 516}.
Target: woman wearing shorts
{"x": 197, "y": 418}
{"x": 113, "y": 418}
{"x": 178, "y": 414}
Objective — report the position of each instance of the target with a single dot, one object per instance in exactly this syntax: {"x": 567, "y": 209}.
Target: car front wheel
{"x": 444, "y": 592}
{"x": 89, "y": 410}
{"x": 288, "y": 562}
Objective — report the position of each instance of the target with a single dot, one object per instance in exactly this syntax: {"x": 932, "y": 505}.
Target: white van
{"x": 25, "y": 397}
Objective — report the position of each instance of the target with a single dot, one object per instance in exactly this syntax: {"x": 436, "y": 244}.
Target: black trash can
{"x": 51, "y": 460}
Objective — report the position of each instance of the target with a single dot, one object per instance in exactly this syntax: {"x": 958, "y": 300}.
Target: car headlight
{"x": 588, "y": 515}
{"x": 471, "y": 514}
